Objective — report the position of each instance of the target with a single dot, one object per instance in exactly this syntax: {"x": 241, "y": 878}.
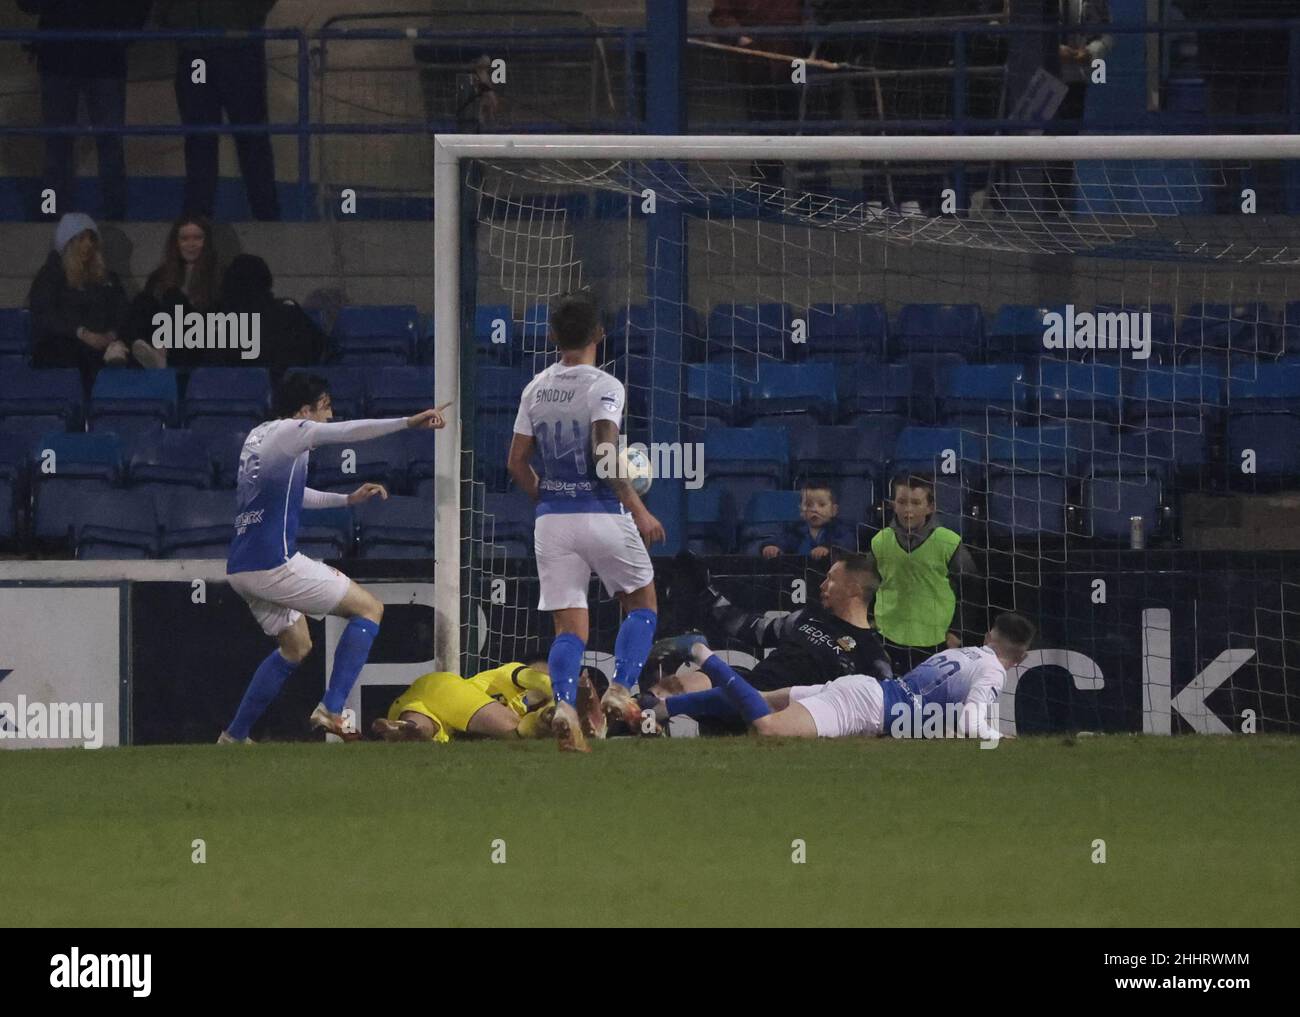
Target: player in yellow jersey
{"x": 513, "y": 700}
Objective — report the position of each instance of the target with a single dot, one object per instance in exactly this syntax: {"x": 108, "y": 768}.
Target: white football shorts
{"x": 570, "y": 546}
{"x": 278, "y": 597}
{"x": 852, "y": 705}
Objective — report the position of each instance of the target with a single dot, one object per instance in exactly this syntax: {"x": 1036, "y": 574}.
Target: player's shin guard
{"x": 632, "y": 646}
{"x": 267, "y": 681}
{"x": 747, "y": 699}
{"x": 565, "y": 662}
{"x": 349, "y": 658}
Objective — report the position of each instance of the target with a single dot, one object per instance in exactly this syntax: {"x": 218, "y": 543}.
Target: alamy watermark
{"x": 1103, "y": 330}
{"x": 947, "y": 720}
{"x": 638, "y": 462}
{"x": 35, "y": 721}
{"x": 212, "y": 331}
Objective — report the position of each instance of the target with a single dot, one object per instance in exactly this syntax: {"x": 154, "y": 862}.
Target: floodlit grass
{"x": 1197, "y": 831}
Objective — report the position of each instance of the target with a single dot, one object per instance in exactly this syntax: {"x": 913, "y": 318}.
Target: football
{"x": 634, "y": 465}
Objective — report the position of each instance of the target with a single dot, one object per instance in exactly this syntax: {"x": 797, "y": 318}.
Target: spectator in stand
{"x": 770, "y": 94}
{"x": 187, "y": 277}
{"x": 235, "y": 82}
{"x": 93, "y": 69}
{"x": 77, "y": 304}
{"x": 1084, "y": 41}
{"x": 289, "y": 336}
{"x": 819, "y": 530}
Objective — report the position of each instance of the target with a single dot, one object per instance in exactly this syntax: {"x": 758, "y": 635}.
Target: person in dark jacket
{"x": 234, "y": 83}
{"x": 187, "y": 277}
{"x": 91, "y": 69}
{"x": 289, "y": 336}
{"x": 77, "y": 304}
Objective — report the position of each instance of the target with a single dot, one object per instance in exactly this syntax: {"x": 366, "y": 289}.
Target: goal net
{"x": 1088, "y": 346}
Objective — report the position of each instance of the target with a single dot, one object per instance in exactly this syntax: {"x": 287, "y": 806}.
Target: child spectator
{"x": 289, "y": 336}
{"x": 916, "y": 609}
{"x": 77, "y": 304}
{"x": 187, "y": 276}
{"x": 819, "y": 530}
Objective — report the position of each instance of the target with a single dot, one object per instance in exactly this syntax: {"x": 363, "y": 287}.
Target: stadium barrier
{"x": 1162, "y": 643}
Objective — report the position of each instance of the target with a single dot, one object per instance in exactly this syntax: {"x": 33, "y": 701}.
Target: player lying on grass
{"x": 963, "y": 683}
{"x": 810, "y": 646}
{"x": 264, "y": 566}
{"x": 513, "y": 700}
{"x": 570, "y": 415}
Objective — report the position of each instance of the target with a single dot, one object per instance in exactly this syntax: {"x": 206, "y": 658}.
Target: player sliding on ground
{"x": 570, "y": 414}
{"x": 513, "y": 700}
{"x": 965, "y": 681}
{"x": 279, "y": 583}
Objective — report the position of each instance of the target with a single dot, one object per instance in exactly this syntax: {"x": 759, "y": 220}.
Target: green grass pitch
{"x": 1198, "y": 831}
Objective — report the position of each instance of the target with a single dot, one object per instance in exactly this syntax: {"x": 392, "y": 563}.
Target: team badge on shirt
{"x": 846, "y": 643}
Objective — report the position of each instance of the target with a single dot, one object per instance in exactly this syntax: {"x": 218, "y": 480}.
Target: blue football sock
{"x": 749, "y": 701}
{"x": 266, "y": 684}
{"x": 349, "y": 658}
{"x": 632, "y": 645}
{"x": 565, "y": 661}
{"x": 709, "y": 703}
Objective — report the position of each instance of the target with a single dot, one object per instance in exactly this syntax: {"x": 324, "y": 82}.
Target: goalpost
{"x": 1045, "y": 461}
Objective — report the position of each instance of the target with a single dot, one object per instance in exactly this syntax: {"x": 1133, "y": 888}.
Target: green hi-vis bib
{"x": 915, "y": 602}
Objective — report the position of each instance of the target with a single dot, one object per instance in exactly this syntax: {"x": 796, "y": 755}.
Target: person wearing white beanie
{"x": 77, "y": 304}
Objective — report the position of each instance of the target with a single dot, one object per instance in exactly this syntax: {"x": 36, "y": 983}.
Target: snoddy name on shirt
{"x": 1105, "y": 330}
{"x": 211, "y": 331}
{"x": 75, "y": 970}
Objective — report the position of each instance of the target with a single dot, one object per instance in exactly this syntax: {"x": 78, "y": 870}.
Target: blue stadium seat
{"x": 227, "y": 398}
{"x": 1275, "y": 439}
{"x": 133, "y": 402}
{"x": 1290, "y": 340}
{"x": 747, "y": 459}
{"x": 787, "y": 389}
{"x": 347, "y": 387}
{"x": 765, "y": 514}
{"x": 868, "y": 396}
{"x": 1016, "y": 332}
{"x": 710, "y": 393}
{"x": 1110, "y": 502}
{"x": 77, "y": 457}
{"x": 224, "y": 448}
{"x": 344, "y": 468}
{"x": 419, "y": 455}
{"x": 400, "y": 391}
{"x": 396, "y": 528}
{"x": 632, "y": 330}
{"x": 930, "y": 329}
{"x": 847, "y": 332}
{"x": 170, "y": 457}
{"x": 47, "y": 393}
{"x": 842, "y": 451}
{"x": 499, "y": 389}
{"x": 493, "y": 322}
{"x": 972, "y": 395}
{"x": 1026, "y": 504}
{"x": 1250, "y": 329}
{"x": 325, "y": 534}
{"x": 1032, "y": 448}
{"x": 376, "y": 334}
{"x": 493, "y": 434}
{"x": 511, "y": 525}
{"x": 762, "y": 329}
{"x": 536, "y": 326}
{"x": 15, "y": 336}
{"x": 13, "y": 484}
{"x": 933, "y": 452}
{"x": 1164, "y": 348}
{"x": 117, "y": 525}
{"x": 710, "y": 521}
{"x": 1079, "y": 391}
{"x": 197, "y": 524}
{"x": 1274, "y": 388}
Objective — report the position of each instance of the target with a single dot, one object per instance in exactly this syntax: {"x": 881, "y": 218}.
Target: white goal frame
{"x": 451, "y": 149}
